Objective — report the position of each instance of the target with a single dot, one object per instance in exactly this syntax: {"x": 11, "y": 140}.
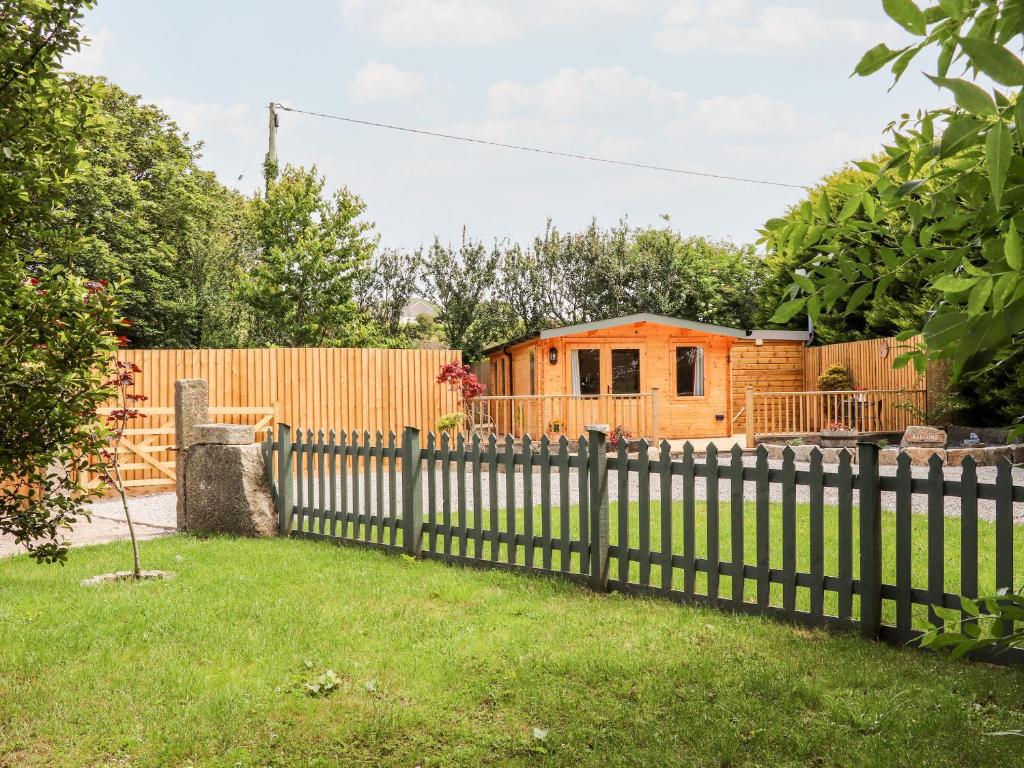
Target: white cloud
{"x": 201, "y": 119}
{"x": 484, "y": 22}
{"x": 752, "y": 115}
{"x": 377, "y": 81}
{"x": 572, "y": 93}
{"x": 90, "y": 59}
{"x": 735, "y": 26}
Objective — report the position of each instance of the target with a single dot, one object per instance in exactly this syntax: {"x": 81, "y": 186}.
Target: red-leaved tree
{"x": 460, "y": 378}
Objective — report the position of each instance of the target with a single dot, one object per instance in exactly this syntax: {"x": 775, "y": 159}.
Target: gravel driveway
{"x": 919, "y": 503}
{"x": 154, "y": 514}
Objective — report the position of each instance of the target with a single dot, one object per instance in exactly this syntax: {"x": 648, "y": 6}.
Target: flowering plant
{"x": 618, "y": 434}
{"x": 838, "y": 426}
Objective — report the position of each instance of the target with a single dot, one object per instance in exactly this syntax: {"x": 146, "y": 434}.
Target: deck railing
{"x": 866, "y": 410}
{"x": 568, "y": 415}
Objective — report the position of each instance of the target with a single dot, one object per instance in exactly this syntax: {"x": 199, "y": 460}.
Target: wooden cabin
{"x": 655, "y": 376}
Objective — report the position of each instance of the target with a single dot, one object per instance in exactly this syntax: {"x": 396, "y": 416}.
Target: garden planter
{"x": 835, "y": 439}
{"x": 632, "y": 446}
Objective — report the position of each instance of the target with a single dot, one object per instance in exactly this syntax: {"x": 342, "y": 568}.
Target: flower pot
{"x": 830, "y": 439}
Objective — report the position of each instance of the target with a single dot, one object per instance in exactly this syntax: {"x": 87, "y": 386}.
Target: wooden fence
{"x": 147, "y": 451}
{"x": 387, "y": 388}
{"x": 869, "y": 363}
{"x": 544, "y": 508}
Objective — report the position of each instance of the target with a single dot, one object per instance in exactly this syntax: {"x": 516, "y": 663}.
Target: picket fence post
{"x": 597, "y": 460}
{"x": 284, "y": 478}
{"x": 869, "y": 490}
{"x": 412, "y": 492}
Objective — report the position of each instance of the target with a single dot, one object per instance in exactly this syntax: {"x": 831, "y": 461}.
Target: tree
{"x": 660, "y": 271}
{"x": 462, "y": 283}
{"x": 955, "y": 175}
{"x": 569, "y": 268}
{"x": 161, "y": 227}
{"x": 55, "y": 327}
{"x": 122, "y": 380}
{"x": 567, "y": 278}
{"x": 904, "y": 306}
{"x": 307, "y": 251}
{"x": 385, "y": 288}
{"x": 523, "y": 285}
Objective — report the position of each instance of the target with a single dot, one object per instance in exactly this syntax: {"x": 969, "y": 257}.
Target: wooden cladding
{"x": 869, "y": 363}
{"x": 569, "y": 415}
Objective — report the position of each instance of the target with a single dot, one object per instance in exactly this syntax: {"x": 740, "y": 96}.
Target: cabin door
{"x": 606, "y": 387}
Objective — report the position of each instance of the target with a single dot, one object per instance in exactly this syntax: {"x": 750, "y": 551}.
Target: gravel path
{"x": 154, "y": 514}
{"x": 919, "y": 503}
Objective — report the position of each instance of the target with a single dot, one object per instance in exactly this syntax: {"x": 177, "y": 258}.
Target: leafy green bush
{"x": 56, "y": 335}
{"x": 449, "y": 423}
{"x": 835, "y": 378}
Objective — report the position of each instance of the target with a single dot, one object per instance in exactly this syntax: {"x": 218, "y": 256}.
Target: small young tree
{"x": 123, "y": 381}
{"x": 461, "y": 379}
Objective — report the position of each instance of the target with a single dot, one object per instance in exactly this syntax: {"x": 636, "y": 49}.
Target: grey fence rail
{"x": 755, "y": 538}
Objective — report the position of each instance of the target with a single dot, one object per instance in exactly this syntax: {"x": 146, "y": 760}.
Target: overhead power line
{"x": 541, "y": 151}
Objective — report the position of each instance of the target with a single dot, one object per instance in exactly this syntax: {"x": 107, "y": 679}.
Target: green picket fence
{"x": 547, "y": 507}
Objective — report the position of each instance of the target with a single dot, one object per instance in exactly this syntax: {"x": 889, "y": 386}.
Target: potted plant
{"x": 556, "y": 426}
{"x": 620, "y": 435}
{"x": 838, "y": 435}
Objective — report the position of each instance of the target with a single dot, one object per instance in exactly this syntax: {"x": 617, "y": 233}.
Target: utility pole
{"x": 270, "y": 164}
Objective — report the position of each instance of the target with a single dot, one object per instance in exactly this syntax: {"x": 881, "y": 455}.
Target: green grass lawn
{"x": 440, "y": 665}
{"x": 830, "y": 536}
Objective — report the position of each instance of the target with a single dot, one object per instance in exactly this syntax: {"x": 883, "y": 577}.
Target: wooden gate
{"x": 147, "y": 449}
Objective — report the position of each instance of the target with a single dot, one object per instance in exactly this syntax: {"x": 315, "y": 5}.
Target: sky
{"x": 748, "y": 88}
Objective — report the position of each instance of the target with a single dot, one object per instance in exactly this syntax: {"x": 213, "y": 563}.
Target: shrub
{"x": 449, "y": 422}
{"x": 835, "y": 378}
{"x": 460, "y": 378}
{"x": 620, "y": 433}
{"x": 56, "y": 329}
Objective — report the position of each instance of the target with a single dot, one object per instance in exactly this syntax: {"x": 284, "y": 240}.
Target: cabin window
{"x": 533, "y": 373}
{"x": 502, "y": 379}
{"x": 689, "y": 371}
{"x": 586, "y": 371}
{"x": 625, "y": 371}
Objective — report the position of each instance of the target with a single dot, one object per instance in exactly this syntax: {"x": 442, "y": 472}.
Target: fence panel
{"x": 331, "y": 388}
{"x": 869, "y": 361}
{"x": 808, "y": 543}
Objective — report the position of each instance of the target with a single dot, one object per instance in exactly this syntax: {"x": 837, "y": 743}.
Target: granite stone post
{"x": 191, "y": 408}
{"x": 222, "y": 478}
